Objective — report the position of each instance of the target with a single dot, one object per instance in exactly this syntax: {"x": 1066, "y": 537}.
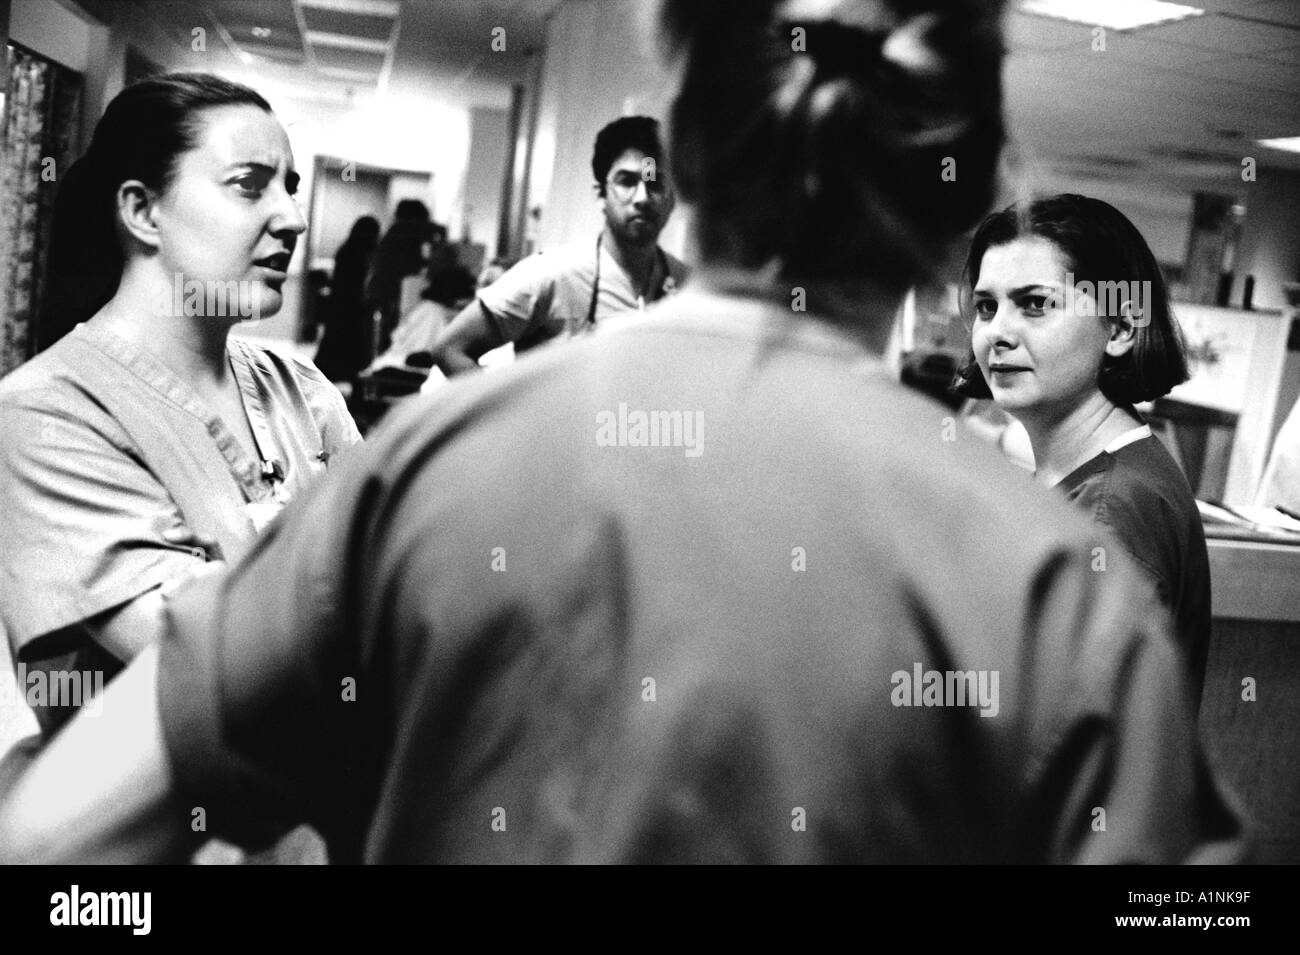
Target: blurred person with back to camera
{"x": 733, "y": 598}
{"x": 397, "y": 269}
{"x": 346, "y": 340}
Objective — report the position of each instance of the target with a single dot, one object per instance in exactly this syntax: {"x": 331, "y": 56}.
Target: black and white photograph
{"x": 651, "y": 432}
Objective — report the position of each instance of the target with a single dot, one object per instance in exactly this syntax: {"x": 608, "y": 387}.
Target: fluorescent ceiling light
{"x": 1290, "y": 144}
{"x": 366, "y": 8}
{"x": 1112, "y": 14}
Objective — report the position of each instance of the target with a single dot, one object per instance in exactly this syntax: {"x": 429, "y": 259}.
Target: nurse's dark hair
{"x": 1099, "y": 245}
{"x": 858, "y": 143}
{"x": 142, "y": 135}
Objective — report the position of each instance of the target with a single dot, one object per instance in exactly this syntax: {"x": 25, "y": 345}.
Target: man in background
{"x": 569, "y": 290}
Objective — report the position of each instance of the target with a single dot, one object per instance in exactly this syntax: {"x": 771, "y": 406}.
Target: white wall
{"x": 51, "y": 29}
{"x": 1162, "y": 215}
{"x": 600, "y": 63}
{"x": 1162, "y": 211}
{"x": 489, "y": 145}
{"x": 428, "y": 136}
{"x": 1270, "y": 237}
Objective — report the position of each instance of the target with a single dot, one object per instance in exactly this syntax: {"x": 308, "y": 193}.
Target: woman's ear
{"x": 137, "y": 208}
{"x": 1123, "y": 332}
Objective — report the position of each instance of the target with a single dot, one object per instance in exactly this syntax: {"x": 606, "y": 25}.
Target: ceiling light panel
{"x": 1290, "y": 144}
{"x": 1112, "y": 14}
{"x": 372, "y": 8}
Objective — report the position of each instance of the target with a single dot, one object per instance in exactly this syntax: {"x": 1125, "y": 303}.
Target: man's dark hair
{"x": 629, "y": 132}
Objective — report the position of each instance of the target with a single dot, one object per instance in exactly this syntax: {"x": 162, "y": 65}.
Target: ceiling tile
{"x": 1146, "y": 50}
{"x": 1290, "y": 55}
{"x": 1027, "y": 32}
{"x": 1274, "y": 11}
{"x": 1254, "y": 71}
{"x": 1225, "y": 33}
{"x": 356, "y": 60}
{"x": 276, "y": 14}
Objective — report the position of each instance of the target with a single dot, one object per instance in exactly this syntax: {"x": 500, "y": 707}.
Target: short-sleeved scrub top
{"x": 103, "y": 448}
{"x": 565, "y": 292}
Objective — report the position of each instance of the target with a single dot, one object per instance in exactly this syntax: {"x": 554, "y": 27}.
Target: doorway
{"x": 343, "y": 191}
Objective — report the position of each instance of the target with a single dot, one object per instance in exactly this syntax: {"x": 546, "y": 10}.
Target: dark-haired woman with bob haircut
{"x": 145, "y": 444}
{"x": 1071, "y": 327}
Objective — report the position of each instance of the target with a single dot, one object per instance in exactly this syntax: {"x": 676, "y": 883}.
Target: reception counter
{"x": 1255, "y": 651}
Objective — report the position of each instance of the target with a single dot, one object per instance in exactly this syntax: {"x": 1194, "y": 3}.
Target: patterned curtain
{"x": 42, "y": 110}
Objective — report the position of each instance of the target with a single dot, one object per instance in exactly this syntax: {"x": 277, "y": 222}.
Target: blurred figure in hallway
{"x": 403, "y": 254}
{"x": 347, "y": 339}
{"x": 450, "y": 289}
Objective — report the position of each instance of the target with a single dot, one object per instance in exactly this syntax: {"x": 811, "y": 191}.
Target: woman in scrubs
{"x": 1071, "y": 327}
{"x": 146, "y": 443}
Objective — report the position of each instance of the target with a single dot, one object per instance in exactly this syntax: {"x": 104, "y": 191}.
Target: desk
{"x": 1256, "y": 633}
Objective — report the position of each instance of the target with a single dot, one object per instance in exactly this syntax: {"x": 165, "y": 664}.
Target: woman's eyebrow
{"x": 291, "y": 178}
{"x": 1035, "y": 287}
{"x": 1018, "y": 292}
{"x": 253, "y": 164}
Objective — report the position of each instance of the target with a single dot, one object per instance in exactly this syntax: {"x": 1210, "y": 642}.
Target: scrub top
{"x": 1136, "y": 490}
{"x": 680, "y": 592}
{"x": 104, "y": 448}
{"x": 550, "y": 295}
